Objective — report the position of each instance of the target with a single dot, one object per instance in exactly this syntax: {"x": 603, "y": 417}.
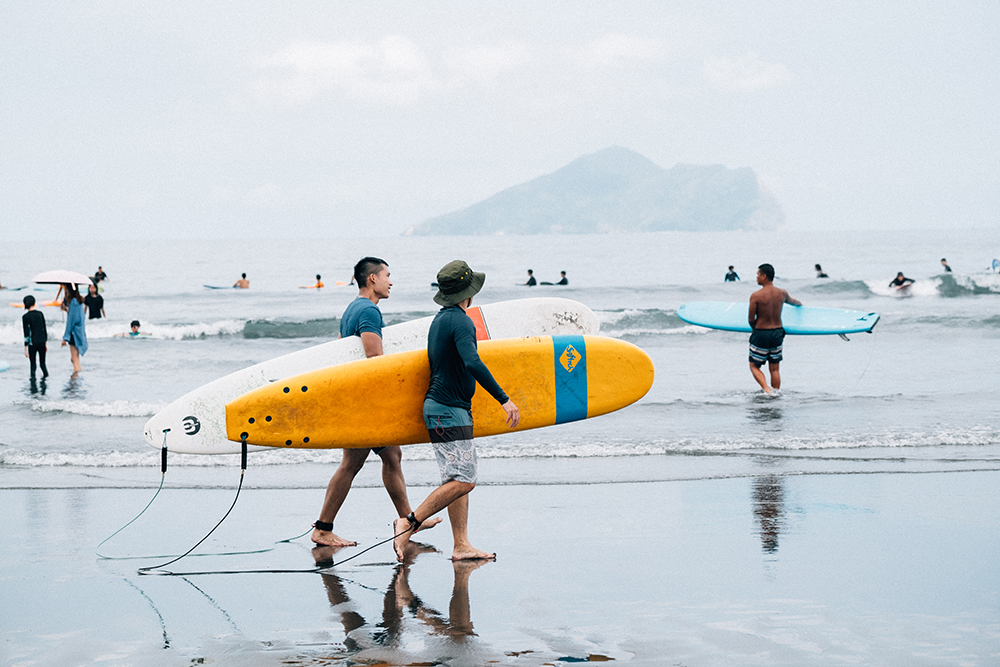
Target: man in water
{"x": 455, "y": 370}
{"x": 563, "y": 280}
{"x": 767, "y": 333}
{"x": 100, "y": 275}
{"x": 35, "y": 336}
{"x": 531, "y": 279}
{"x": 944, "y": 263}
{"x": 731, "y": 277}
{"x": 820, "y": 273}
{"x": 900, "y": 281}
{"x": 363, "y": 318}
{"x": 242, "y": 283}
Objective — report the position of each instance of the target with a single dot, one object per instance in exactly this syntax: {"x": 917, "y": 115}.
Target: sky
{"x": 208, "y": 119}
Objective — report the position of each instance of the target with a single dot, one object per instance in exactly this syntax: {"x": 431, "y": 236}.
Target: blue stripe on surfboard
{"x": 570, "y": 359}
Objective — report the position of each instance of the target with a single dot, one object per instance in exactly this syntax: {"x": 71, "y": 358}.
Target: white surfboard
{"x": 196, "y": 422}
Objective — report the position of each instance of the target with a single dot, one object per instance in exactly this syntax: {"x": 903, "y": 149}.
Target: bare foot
{"x": 401, "y": 529}
{"x": 327, "y": 538}
{"x": 323, "y": 555}
{"x": 471, "y": 553}
{"x": 429, "y": 523}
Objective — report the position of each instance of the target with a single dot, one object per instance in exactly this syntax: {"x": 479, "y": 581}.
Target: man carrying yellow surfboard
{"x": 363, "y": 318}
{"x": 455, "y": 369}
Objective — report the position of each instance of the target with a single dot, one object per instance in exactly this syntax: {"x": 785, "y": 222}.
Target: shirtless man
{"x": 242, "y": 283}
{"x": 363, "y": 319}
{"x": 765, "y": 321}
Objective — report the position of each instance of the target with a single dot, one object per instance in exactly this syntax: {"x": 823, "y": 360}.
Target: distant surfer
{"x": 242, "y": 283}
{"x": 363, "y": 318}
{"x": 318, "y": 285}
{"x": 94, "y": 303}
{"x": 731, "y": 277}
{"x": 563, "y": 280}
{"x": 944, "y": 263}
{"x": 531, "y": 279}
{"x": 820, "y": 273}
{"x": 100, "y": 275}
{"x": 455, "y": 370}
{"x": 35, "y": 336}
{"x": 767, "y": 333}
{"x": 901, "y": 281}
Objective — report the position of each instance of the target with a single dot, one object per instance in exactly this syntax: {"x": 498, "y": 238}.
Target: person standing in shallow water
{"x": 242, "y": 283}
{"x": 767, "y": 334}
{"x": 455, "y": 370}
{"x": 731, "y": 277}
{"x": 35, "y": 336}
{"x": 75, "y": 334}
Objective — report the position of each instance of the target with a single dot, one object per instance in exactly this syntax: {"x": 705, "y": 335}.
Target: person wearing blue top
{"x": 455, "y": 370}
{"x": 75, "y": 334}
{"x": 363, "y": 318}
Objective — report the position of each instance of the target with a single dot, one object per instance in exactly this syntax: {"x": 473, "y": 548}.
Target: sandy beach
{"x": 808, "y": 569}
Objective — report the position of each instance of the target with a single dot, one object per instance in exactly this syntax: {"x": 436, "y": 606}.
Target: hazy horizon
{"x": 317, "y": 120}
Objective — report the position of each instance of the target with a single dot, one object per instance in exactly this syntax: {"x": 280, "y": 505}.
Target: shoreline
{"x": 824, "y": 569}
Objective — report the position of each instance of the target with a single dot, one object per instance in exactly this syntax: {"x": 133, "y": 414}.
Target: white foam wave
{"x": 13, "y": 333}
{"x": 96, "y": 408}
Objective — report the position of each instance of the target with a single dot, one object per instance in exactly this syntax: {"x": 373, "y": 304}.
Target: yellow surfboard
{"x": 378, "y": 402}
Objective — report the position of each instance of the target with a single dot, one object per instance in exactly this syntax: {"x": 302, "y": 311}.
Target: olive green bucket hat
{"x": 457, "y": 282}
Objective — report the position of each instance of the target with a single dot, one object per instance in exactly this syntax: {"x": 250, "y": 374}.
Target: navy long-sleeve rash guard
{"x": 455, "y": 363}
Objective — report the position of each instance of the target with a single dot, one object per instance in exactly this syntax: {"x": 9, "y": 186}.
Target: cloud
{"x": 745, "y": 73}
{"x": 615, "y": 50}
{"x": 481, "y": 62}
{"x": 393, "y": 70}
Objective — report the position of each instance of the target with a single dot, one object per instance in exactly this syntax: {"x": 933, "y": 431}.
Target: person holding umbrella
{"x": 75, "y": 334}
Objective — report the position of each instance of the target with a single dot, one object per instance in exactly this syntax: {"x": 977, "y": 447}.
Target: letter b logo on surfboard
{"x": 571, "y": 378}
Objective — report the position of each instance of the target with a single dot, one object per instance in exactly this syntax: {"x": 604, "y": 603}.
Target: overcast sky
{"x": 295, "y": 119}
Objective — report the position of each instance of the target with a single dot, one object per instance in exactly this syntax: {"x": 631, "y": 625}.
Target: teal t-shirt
{"x": 360, "y": 316}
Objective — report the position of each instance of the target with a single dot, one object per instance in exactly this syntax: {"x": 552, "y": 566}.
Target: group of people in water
{"x": 563, "y": 280}
{"x": 899, "y": 281}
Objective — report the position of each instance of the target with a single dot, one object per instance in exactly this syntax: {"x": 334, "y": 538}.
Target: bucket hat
{"x": 457, "y": 282}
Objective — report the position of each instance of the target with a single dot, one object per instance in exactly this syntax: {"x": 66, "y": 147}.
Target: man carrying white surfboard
{"x": 363, "y": 318}
{"x": 455, "y": 370}
{"x": 767, "y": 332}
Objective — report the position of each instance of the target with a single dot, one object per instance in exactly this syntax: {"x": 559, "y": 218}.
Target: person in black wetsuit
{"x": 94, "y": 303}
{"x": 35, "y": 336}
{"x": 455, "y": 370}
{"x": 531, "y": 279}
{"x": 901, "y": 281}
{"x": 563, "y": 280}
{"x": 731, "y": 277}
{"x": 820, "y": 273}
{"x": 944, "y": 263}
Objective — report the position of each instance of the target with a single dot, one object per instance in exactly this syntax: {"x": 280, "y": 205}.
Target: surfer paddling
{"x": 363, "y": 318}
{"x": 455, "y": 370}
{"x": 767, "y": 333}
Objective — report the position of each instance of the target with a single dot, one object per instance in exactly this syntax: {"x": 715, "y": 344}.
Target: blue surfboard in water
{"x": 798, "y": 320}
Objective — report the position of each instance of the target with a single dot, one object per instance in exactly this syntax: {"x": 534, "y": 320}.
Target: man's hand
{"x": 513, "y": 414}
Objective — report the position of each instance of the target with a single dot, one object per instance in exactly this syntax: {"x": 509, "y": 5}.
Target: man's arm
{"x": 465, "y": 343}
{"x": 789, "y": 299}
{"x": 752, "y": 317}
{"x": 372, "y": 343}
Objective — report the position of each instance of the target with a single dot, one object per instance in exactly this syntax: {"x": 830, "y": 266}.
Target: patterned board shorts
{"x": 451, "y": 434}
{"x": 765, "y": 346}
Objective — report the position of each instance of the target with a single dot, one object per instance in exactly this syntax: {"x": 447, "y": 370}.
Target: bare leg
{"x": 395, "y": 484}
{"x": 336, "y": 492}
{"x": 458, "y": 514}
{"x": 758, "y": 375}
{"x": 74, "y": 355}
{"x": 775, "y": 375}
{"x": 439, "y": 498}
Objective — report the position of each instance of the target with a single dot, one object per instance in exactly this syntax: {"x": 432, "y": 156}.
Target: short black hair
{"x": 29, "y": 301}
{"x": 244, "y": 275}
{"x": 365, "y": 267}
{"x": 767, "y": 270}
{"x": 135, "y": 323}
{"x": 317, "y": 277}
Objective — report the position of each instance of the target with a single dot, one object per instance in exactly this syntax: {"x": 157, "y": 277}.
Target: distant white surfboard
{"x": 796, "y": 320}
{"x": 196, "y": 422}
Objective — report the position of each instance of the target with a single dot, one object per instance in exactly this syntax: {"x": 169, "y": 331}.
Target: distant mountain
{"x": 618, "y": 190}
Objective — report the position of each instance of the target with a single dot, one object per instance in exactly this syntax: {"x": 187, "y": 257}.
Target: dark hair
{"x": 767, "y": 270}
{"x": 244, "y": 275}
{"x": 365, "y": 267}
{"x": 730, "y": 267}
{"x": 29, "y": 301}
{"x": 72, "y": 293}
{"x": 818, "y": 268}
{"x": 317, "y": 277}
{"x": 943, "y": 259}
{"x": 530, "y": 271}
{"x": 135, "y": 323}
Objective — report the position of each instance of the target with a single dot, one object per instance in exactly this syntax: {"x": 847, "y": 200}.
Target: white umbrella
{"x": 62, "y": 276}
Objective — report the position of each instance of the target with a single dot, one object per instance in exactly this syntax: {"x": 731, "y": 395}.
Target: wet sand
{"x": 817, "y": 569}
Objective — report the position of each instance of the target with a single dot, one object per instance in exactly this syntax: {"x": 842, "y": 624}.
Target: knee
{"x": 466, "y": 487}
{"x": 352, "y": 466}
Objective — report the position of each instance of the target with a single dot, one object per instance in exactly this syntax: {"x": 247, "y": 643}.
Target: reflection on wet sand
{"x": 400, "y": 603}
{"x": 769, "y": 509}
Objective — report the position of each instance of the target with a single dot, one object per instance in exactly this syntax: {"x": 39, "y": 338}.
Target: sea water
{"x": 921, "y": 393}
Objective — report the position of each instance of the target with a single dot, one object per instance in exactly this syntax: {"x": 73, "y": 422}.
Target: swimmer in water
{"x": 242, "y": 283}
{"x": 900, "y": 281}
{"x": 731, "y": 277}
{"x": 318, "y": 285}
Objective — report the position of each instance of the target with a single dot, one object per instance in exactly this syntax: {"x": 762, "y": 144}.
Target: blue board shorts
{"x": 765, "y": 346}
{"x": 450, "y": 430}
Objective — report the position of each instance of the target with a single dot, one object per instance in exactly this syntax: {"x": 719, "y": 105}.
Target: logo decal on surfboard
{"x": 191, "y": 425}
{"x": 569, "y": 358}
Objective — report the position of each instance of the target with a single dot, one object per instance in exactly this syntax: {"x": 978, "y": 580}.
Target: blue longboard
{"x": 800, "y": 320}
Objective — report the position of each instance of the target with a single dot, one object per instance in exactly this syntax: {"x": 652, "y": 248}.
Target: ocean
{"x": 919, "y": 394}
